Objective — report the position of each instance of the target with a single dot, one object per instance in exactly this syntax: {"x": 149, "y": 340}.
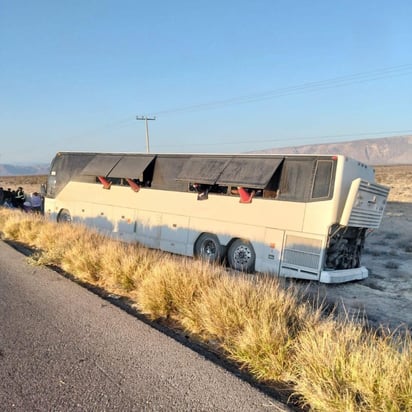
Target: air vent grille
{"x": 303, "y": 252}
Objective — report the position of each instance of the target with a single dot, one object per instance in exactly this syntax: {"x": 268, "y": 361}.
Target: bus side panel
{"x": 269, "y": 252}
{"x": 99, "y": 217}
{"x": 174, "y": 233}
{"x": 148, "y": 228}
{"x": 93, "y": 215}
{"x": 227, "y": 209}
{"x": 50, "y": 209}
{"x": 319, "y": 216}
{"x": 124, "y": 224}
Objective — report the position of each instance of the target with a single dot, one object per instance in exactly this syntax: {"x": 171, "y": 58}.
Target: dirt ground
{"x": 385, "y": 297}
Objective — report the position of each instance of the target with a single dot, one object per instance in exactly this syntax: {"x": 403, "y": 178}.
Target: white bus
{"x": 295, "y": 216}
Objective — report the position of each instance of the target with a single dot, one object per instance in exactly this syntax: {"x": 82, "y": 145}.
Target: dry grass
{"x": 340, "y": 367}
{"x": 269, "y": 330}
{"x": 399, "y": 179}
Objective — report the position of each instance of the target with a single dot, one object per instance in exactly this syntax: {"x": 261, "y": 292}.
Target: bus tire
{"x": 64, "y": 216}
{"x": 241, "y": 256}
{"x": 208, "y": 248}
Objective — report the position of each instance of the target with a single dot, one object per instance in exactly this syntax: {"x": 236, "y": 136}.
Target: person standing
{"x": 20, "y": 197}
{"x": 36, "y": 202}
{"x": 7, "y": 202}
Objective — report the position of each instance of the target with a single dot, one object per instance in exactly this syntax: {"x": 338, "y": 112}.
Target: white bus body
{"x": 289, "y": 215}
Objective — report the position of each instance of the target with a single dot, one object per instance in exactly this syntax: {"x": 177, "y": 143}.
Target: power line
{"x": 309, "y": 87}
{"x": 322, "y": 137}
{"x": 341, "y": 81}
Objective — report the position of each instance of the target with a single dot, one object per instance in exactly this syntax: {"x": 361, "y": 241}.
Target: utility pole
{"x": 145, "y": 118}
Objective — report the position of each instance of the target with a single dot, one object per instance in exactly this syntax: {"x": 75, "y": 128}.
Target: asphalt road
{"x": 64, "y": 348}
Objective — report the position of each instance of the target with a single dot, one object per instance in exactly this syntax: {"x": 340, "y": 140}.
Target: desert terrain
{"x": 385, "y": 297}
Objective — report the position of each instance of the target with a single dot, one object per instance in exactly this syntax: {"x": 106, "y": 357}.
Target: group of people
{"x": 19, "y": 199}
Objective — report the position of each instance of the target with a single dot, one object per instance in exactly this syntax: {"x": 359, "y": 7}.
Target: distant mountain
{"x": 24, "y": 170}
{"x": 383, "y": 151}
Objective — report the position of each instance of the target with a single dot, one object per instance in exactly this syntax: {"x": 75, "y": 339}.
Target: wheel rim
{"x": 242, "y": 255}
{"x": 209, "y": 249}
{"x": 64, "y": 217}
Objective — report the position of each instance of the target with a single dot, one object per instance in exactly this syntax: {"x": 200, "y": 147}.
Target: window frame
{"x": 331, "y": 185}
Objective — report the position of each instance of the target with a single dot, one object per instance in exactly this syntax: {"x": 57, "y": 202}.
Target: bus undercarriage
{"x": 344, "y": 247}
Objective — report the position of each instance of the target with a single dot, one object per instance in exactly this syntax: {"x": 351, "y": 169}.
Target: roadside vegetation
{"x": 269, "y": 329}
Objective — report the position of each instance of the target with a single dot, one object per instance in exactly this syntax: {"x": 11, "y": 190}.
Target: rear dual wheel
{"x": 208, "y": 248}
{"x": 241, "y": 256}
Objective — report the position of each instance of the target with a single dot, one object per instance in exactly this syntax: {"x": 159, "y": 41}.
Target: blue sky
{"x": 220, "y": 76}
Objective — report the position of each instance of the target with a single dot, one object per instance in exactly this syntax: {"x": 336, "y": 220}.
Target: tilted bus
{"x": 301, "y": 216}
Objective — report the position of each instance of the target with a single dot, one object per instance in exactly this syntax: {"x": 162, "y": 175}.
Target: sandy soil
{"x": 385, "y": 297}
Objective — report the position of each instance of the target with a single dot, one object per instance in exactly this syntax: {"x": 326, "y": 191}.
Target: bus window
{"x": 139, "y": 168}
{"x": 296, "y": 179}
{"x": 51, "y": 185}
{"x": 323, "y": 178}
{"x": 203, "y": 190}
{"x": 115, "y": 181}
{"x": 165, "y": 171}
{"x": 64, "y": 168}
{"x": 271, "y": 191}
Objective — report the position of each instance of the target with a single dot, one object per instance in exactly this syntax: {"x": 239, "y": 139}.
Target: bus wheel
{"x": 208, "y": 247}
{"x": 241, "y": 256}
{"x": 64, "y": 216}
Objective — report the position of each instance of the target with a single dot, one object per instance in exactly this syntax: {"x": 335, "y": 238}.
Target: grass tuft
{"x": 341, "y": 367}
